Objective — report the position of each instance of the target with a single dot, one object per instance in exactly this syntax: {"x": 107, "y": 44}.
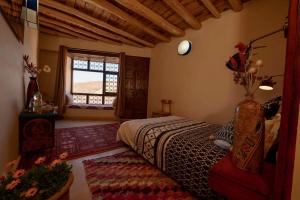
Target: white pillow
{"x": 223, "y": 144}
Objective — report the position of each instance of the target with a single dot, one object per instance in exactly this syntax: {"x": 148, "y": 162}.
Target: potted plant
{"x": 40, "y": 182}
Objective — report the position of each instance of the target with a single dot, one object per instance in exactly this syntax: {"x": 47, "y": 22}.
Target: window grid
{"x": 110, "y": 80}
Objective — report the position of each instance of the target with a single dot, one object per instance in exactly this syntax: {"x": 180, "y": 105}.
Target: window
{"x": 95, "y": 81}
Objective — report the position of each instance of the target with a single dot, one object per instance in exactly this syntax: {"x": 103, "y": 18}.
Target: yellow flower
{"x": 63, "y": 156}
{"x": 19, "y": 173}
{"x": 12, "y": 184}
{"x": 40, "y": 160}
{"x": 31, "y": 192}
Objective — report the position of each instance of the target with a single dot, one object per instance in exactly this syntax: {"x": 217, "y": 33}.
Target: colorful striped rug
{"x": 128, "y": 176}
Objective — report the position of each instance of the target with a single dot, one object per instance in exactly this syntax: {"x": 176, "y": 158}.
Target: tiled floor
{"x": 79, "y": 189}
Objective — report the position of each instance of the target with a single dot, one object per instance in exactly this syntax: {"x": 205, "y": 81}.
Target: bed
{"x": 178, "y": 146}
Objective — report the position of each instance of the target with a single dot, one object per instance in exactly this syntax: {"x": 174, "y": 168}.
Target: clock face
{"x": 184, "y": 47}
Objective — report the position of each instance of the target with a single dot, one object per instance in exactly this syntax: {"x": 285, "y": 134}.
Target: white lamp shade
{"x": 265, "y": 87}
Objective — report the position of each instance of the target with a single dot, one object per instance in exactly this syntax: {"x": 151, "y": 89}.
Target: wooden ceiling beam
{"x": 211, "y": 7}
{"x": 184, "y": 13}
{"x": 45, "y": 30}
{"x": 66, "y": 31}
{"x": 72, "y": 11}
{"x": 78, "y": 30}
{"x": 155, "y": 18}
{"x": 84, "y": 25}
{"x": 109, "y": 7}
{"x": 236, "y": 5}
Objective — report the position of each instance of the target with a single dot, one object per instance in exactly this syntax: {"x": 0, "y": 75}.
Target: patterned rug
{"x": 78, "y": 142}
{"x": 128, "y": 176}
{"x": 86, "y": 140}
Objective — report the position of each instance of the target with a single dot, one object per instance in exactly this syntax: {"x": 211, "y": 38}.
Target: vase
{"x": 248, "y": 140}
{"x": 32, "y": 88}
{"x": 63, "y": 193}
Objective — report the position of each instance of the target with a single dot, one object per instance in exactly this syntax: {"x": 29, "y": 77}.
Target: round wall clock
{"x": 184, "y": 47}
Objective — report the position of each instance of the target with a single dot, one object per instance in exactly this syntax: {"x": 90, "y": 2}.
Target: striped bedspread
{"x": 181, "y": 148}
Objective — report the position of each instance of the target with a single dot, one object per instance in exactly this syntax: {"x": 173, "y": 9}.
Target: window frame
{"x": 104, "y": 93}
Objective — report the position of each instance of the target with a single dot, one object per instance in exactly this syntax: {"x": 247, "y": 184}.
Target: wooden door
{"x": 290, "y": 108}
{"x": 136, "y": 87}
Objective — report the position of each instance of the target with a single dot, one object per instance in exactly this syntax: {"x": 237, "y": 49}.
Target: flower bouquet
{"x": 33, "y": 86}
{"x": 245, "y": 70}
{"x": 248, "y": 140}
{"x": 41, "y": 182}
{"x": 32, "y": 69}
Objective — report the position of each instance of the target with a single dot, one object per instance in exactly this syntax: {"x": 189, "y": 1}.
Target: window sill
{"x": 90, "y": 106}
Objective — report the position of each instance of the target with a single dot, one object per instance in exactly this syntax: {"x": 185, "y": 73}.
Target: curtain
{"x": 120, "y": 105}
{"x": 60, "y": 83}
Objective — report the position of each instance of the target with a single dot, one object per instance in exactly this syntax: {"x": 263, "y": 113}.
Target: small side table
{"x": 36, "y": 131}
{"x": 236, "y": 184}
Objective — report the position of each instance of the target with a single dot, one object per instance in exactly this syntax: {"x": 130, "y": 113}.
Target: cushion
{"x": 271, "y": 107}
{"x": 226, "y": 132}
{"x": 222, "y": 144}
{"x": 69, "y": 99}
{"x": 271, "y": 133}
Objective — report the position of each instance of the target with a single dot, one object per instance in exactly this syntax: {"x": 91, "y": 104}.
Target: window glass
{"x": 79, "y": 99}
{"x": 87, "y": 82}
{"x": 109, "y": 100}
{"x": 95, "y": 79}
{"x": 80, "y": 64}
{"x": 96, "y": 66}
{"x": 111, "y": 83}
{"x": 112, "y": 67}
{"x": 95, "y": 99}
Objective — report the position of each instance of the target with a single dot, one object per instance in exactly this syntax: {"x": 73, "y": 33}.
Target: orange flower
{"x": 40, "y": 160}
{"x": 55, "y": 162}
{"x": 11, "y": 164}
{"x": 63, "y": 156}
{"x": 12, "y": 184}
{"x": 19, "y": 173}
{"x": 31, "y": 192}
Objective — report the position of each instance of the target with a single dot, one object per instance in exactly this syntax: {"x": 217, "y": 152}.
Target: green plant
{"x": 39, "y": 183}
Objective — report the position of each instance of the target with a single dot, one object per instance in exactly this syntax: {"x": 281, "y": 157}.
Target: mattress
{"x": 178, "y": 146}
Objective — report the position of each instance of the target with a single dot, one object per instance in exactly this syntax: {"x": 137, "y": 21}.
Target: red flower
{"x": 31, "y": 192}
{"x": 40, "y": 160}
{"x": 246, "y": 148}
{"x": 241, "y": 47}
{"x": 55, "y": 162}
{"x": 19, "y": 173}
{"x": 63, "y": 156}
{"x": 12, "y": 184}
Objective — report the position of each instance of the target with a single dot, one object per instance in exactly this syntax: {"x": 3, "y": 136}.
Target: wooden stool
{"x": 165, "y": 109}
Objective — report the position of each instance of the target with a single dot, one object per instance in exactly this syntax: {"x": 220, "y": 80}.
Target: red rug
{"x": 128, "y": 176}
{"x": 78, "y": 142}
{"x": 86, "y": 140}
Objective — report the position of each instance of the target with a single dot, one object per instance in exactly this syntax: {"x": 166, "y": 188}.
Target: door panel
{"x": 136, "y": 87}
